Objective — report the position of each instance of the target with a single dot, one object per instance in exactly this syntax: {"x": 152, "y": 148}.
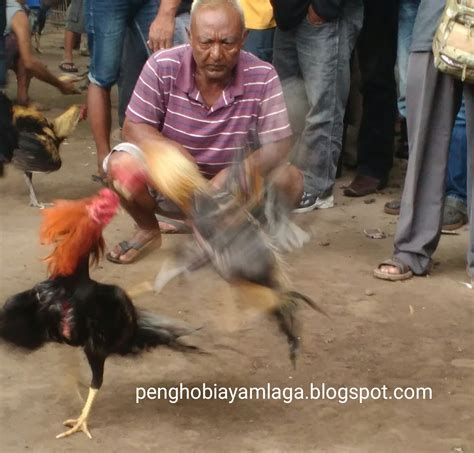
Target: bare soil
{"x": 410, "y": 334}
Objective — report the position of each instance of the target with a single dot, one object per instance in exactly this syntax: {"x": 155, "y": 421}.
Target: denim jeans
{"x": 107, "y": 22}
{"x": 456, "y": 181}
{"x": 133, "y": 61}
{"x": 260, "y": 43}
{"x": 313, "y": 62}
{"x": 406, "y": 22}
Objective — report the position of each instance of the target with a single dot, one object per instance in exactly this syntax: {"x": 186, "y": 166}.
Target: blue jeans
{"x": 260, "y": 43}
{"x": 133, "y": 62}
{"x": 406, "y": 21}
{"x": 313, "y": 62}
{"x": 456, "y": 181}
{"x": 107, "y": 22}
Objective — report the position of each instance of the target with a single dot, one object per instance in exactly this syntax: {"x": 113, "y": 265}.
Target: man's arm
{"x": 143, "y": 135}
{"x": 161, "y": 31}
{"x": 21, "y": 29}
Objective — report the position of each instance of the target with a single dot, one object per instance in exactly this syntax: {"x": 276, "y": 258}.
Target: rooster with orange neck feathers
{"x": 71, "y": 308}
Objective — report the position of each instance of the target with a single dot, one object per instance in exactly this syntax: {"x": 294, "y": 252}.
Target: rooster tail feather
{"x": 295, "y": 296}
{"x": 20, "y": 323}
{"x": 65, "y": 123}
{"x": 154, "y": 330}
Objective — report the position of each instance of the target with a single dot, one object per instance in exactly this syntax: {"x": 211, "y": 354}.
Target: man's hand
{"x": 161, "y": 32}
{"x": 313, "y": 17}
{"x": 68, "y": 87}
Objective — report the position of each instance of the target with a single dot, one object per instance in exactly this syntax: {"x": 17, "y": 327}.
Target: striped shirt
{"x": 251, "y": 111}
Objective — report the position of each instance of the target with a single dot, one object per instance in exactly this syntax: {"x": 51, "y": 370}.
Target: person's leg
{"x": 260, "y": 43}
{"x": 3, "y": 58}
{"x": 285, "y": 60}
{"x": 406, "y": 21}
{"x": 135, "y": 51}
{"x": 469, "y": 103}
{"x": 106, "y": 24}
{"x": 68, "y": 58}
{"x": 141, "y": 209}
{"x": 455, "y": 207}
{"x": 379, "y": 95}
{"x": 433, "y": 100}
{"x": 23, "y": 80}
{"x": 324, "y": 53}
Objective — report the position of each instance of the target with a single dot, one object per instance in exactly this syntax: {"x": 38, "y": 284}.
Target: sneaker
{"x": 454, "y": 214}
{"x": 310, "y": 202}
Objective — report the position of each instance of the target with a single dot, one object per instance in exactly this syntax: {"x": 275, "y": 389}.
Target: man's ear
{"x": 188, "y": 32}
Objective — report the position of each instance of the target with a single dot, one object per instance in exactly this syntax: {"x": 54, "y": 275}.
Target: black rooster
{"x": 39, "y": 139}
{"x": 73, "y": 309}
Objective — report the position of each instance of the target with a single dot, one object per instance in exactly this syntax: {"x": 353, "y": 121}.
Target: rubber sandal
{"x": 67, "y": 66}
{"x": 181, "y": 227}
{"x": 405, "y": 271}
{"x": 125, "y": 246}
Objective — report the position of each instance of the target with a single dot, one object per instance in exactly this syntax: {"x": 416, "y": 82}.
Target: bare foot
{"x": 386, "y": 269}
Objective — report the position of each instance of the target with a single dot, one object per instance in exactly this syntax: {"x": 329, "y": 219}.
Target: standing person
{"x": 455, "y": 208}
{"x": 73, "y": 30}
{"x": 377, "y": 52}
{"x": 107, "y": 23}
{"x": 20, "y": 58}
{"x": 260, "y": 24}
{"x": 433, "y": 100}
{"x": 313, "y": 44}
{"x": 173, "y": 18}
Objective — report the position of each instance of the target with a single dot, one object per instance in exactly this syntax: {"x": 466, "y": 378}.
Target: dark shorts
{"x": 75, "y": 17}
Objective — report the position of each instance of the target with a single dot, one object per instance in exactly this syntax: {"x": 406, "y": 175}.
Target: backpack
{"x": 453, "y": 44}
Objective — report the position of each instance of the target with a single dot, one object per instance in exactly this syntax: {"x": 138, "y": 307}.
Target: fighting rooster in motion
{"x": 71, "y": 308}
{"x": 241, "y": 229}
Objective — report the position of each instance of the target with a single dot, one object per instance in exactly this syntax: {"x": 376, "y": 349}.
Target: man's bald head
{"x": 234, "y": 4}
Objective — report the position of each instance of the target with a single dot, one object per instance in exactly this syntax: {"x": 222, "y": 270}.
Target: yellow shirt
{"x": 258, "y": 14}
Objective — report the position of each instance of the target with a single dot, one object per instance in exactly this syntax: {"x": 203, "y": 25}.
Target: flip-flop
{"x": 405, "y": 271}
{"x": 181, "y": 227}
{"x": 125, "y": 246}
{"x": 68, "y": 66}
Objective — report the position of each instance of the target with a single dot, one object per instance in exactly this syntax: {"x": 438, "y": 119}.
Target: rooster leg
{"x": 96, "y": 362}
{"x": 33, "y": 200}
{"x": 80, "y": 424}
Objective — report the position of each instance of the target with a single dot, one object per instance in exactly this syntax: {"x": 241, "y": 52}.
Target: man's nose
{"x": 216, "y": 51}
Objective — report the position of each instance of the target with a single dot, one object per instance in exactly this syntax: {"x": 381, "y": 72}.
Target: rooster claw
{"x": 76, "y": 425}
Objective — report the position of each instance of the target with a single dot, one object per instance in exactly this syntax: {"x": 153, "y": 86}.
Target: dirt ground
{"x": 410, "y": 334}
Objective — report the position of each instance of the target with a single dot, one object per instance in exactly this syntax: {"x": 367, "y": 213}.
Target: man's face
{"x": 216, "y": 38}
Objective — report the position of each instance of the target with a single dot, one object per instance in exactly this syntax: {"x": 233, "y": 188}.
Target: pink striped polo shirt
{"x": 250, "y": 112}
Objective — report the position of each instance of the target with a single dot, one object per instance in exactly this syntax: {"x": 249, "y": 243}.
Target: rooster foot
{"x": 41, "y": 205}
{"x": 76, "y": 425}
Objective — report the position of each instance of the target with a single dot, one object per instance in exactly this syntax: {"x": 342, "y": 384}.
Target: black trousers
{"x": 377, "y": 52}
{"x": 3, "y": 22}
